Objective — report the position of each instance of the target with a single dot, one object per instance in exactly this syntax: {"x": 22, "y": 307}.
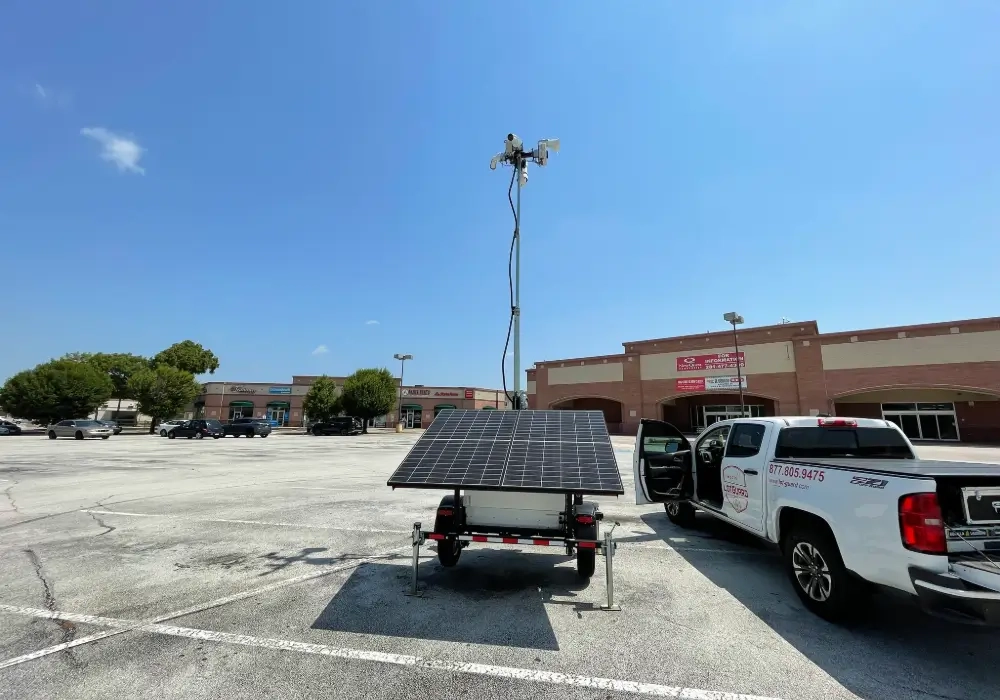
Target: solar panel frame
{"x": 530, "y": 450}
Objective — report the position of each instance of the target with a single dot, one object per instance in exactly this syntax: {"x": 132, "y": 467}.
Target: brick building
{"x": 282, "y": 403}
{"x": 938, "y": 381}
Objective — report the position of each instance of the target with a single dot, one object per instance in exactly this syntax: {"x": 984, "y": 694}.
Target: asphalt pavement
{"x": 279, "y": 567}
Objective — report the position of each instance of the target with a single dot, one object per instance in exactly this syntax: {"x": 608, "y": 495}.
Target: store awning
{"x": 243, "y": 404}
{"x": 416, "y": 406}
{"x": 279, "y": 403}
{"x": 442, "y": 406}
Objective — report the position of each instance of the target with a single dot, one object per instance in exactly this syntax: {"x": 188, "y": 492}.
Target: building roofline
{"x": 616, "y": 356}
{"x": 913, "y": 327}
{"x": 709, "y": 334}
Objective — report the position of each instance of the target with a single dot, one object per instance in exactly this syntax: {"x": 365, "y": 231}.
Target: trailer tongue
{"x": 517, "y": 478}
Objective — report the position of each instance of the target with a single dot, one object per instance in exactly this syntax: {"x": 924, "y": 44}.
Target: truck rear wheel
{"x": 680, "y": 513}
{"x": 822, "y": 582}
{"x": 586, "y": 557}
{"x": 449, "y": 550}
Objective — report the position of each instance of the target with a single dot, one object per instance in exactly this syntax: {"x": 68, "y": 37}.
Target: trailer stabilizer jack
{"x": 606, "y": 547}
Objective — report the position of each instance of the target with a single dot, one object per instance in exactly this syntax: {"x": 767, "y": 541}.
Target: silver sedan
{"x": 78, "y": 429}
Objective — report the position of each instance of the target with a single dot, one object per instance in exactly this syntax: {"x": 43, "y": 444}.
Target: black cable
{"x": 510, "y": 285}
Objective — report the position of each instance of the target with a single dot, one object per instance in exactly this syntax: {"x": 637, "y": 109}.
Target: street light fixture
{"x": 735, "y": 319}
{"x": 402, "y": 364}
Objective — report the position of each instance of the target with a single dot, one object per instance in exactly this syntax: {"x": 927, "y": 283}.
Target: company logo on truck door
{"x": 734, "y": 486}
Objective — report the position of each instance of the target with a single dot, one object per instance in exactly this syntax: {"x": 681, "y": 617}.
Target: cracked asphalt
{"x": 279, "y": 568}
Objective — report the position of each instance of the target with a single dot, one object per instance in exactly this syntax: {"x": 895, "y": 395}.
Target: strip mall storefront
{"x": 936, "y": 381}
{"x": 282, "y": 403}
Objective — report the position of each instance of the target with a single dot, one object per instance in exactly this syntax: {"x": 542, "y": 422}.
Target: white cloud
{"x": 120, "y": 150}
{"x": 371, "y": 323}
{"x": 321, "y": 350}
{"x": 51, "y": 97}
{"x": 41, "y": 91}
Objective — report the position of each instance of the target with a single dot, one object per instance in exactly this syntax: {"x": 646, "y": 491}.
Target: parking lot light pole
{"x": 735, "y": 319}
{"x": 402, "y": 365}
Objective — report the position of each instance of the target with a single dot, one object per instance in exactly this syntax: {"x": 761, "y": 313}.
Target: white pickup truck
{"x": 848, "y": 502}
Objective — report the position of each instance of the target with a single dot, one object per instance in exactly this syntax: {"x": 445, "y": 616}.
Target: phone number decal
{"x": 793, "y": 472}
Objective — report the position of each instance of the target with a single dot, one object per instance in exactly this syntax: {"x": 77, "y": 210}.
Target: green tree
{"x": 188, "y": 356}
{"x": 369, "y": 393}
{"x": 119, "y": 366}
{"x": 163, "y": 392}
{"x": 322, "y": 402}
{"x": 57, "y": 390}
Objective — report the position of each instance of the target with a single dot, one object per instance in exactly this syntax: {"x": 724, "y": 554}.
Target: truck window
{"x": 825, "y": 442}
{"x": 745, "y": 440}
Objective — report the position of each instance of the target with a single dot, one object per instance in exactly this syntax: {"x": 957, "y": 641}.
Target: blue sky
{"x": 268, "y": 178}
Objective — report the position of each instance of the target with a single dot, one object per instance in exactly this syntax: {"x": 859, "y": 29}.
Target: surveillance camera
{"x": 513, "y": 144}
{"x": 497, "y": 159}
{"x": 524, "y": 174}
{"x": 542, "y": 152}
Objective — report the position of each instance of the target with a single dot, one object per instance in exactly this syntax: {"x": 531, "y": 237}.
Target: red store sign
{"x": 470, "y": 394}
{"x": 701, "y": 363}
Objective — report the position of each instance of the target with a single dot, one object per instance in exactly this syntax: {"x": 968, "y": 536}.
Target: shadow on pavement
{"x": 893, "y": 651}
{"x": 494, "y": 597}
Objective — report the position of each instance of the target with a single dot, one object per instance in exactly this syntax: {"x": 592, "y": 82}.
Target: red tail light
{"x": 446, "y": 512}
{"x": 585, "y": 519}
{"x": 838, "y": 422}
{"x": 921, "y": 525}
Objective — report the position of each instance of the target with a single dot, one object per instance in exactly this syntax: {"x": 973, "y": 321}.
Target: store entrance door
{"x": 411, "y": 417}
{"x": 276, "y": 414}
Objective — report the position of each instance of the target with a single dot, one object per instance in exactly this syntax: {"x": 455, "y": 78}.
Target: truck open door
{"x": 661, "y": 463}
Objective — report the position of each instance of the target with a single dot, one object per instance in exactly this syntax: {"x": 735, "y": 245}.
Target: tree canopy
{"x": 189, "y": 356}
{"x": 369, "y": 393}
{"x": 163, "y": 391}
{"x": 322, "y": 402}
{"x": 58, "y": 390}
{"x": 119, "y": 366}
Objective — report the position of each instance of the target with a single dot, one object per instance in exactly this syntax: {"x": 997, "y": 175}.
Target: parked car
{"x": 165, "y": 427}
{"x": 342, "y": 425}
{"x": 248, "y": 427}
{"x": 198, "y": 428}
{"x": 113, "y": 424}
{"x": 78, "y": 429}
{"x": 11, "y": 427}
{"x": 4, "y": 430}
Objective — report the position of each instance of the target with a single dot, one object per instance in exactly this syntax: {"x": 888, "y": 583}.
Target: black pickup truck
{"x": 247, "y": 426}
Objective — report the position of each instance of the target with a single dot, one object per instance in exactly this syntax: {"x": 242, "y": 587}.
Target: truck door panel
{"x": 744, "y": 473}
{"x": 661, "y": 463}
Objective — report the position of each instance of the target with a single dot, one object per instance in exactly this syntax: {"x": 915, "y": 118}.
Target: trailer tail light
{"x": 921, "y": 525}
{"x": 446, "y": 512}
{"x": 838, "y": 423}
{"x": 585, "y": 519}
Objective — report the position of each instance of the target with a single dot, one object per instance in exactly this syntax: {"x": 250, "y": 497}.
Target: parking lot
{"x": 237, "y": 568}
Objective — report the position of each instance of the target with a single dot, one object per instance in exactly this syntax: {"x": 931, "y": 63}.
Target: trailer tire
{"x": 586, "y": 557}
{"x": 680, "y": 513}
{"x": 449, "y": 550}
{"x": 828, "y": 590}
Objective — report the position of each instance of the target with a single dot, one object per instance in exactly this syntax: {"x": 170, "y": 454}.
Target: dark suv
{"x": 198, "y": 428}
{"x": 248, "y": 427}
{"x": 342, "y": 425}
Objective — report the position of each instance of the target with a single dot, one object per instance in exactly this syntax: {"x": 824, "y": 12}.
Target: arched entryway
{"x": 694, "y": 412}
{"x": 611, "y": 408}
{"x": 945, "y": 413}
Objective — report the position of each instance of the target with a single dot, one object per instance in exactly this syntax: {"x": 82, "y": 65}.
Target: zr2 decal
{"x": 869, "y": 482}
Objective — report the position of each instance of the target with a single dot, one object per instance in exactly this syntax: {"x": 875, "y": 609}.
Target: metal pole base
{"x": 417, "y": 539}
{"x": 609, "y": 556}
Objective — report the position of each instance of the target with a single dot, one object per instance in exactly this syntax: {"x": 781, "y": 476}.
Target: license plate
{"x": 982, "y": 505}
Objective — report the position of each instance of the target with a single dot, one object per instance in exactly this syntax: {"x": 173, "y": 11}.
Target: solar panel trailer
{"x": 515, "y": 477}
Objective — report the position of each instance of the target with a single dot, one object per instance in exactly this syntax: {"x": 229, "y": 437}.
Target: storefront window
{"x": 240, "y": 409}
{"x": 277, "y": 412}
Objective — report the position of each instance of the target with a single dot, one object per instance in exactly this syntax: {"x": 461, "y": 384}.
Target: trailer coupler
{"x": 606, "y": 547}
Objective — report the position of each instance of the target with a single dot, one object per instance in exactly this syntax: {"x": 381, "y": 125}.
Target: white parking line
{"x": 218, "y": 602}
{"x": 521, "y": 674}
{"x": 232, "y": 521}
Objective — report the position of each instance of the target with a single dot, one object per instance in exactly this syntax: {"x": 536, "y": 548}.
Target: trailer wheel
{"x": 449, "y": 550}
{"x": 680, "y": 513}
{"x": 586, "y": 558}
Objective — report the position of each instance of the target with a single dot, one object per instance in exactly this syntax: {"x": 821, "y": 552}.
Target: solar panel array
{"x": 565, "y": 451}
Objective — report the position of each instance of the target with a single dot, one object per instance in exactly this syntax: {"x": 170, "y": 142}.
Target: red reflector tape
{"x": 587, "y": 545}
{"x": 540, "y": 543}
{"x": 510, "y": 540}
{"x": 480, "y": 538}
{"x": 435, "y": 536}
